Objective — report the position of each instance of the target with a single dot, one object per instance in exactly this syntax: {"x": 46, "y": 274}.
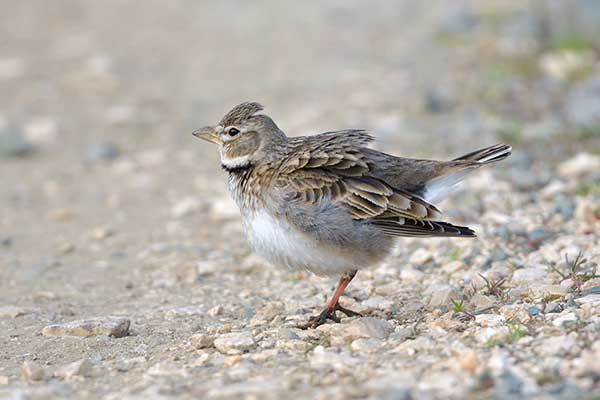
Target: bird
{"x": 329, "y": 204}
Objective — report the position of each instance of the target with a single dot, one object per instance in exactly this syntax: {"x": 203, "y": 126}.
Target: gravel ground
{"x": 124, "y": 272}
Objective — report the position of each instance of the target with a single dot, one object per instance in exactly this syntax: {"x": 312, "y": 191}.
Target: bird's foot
{"x": 349, "y": 313}
{"x": 329, "y": 313}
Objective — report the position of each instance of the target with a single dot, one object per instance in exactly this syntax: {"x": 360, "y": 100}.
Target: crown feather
{"x": 240, "y": 113}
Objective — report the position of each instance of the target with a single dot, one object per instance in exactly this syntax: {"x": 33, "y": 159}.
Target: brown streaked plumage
{"x": 327, "y": 203}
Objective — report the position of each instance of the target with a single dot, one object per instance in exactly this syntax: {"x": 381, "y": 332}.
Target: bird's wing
{"x": 400, "y": 226}
{"x": 332, "y": 167}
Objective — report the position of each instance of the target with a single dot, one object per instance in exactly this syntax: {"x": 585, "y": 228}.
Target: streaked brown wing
{"x": 332, "y": 166}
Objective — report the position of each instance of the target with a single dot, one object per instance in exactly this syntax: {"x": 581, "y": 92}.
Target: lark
{"x": 328, "y": 203}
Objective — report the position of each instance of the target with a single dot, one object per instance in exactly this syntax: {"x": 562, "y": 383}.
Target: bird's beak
{"x": 207, "y": 133}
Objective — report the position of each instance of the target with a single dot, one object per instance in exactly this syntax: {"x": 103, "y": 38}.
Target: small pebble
{"x": 102, "y": 152}
{"x": 31, "y": 371}
{"x": 14, "y": 144}
{"x": 107, "y": 326}
{"x": 82, "y": 368}
{"x": 235, "y": 342}
{"x": 368, "y": 327}
{"x": 201, "y": 341}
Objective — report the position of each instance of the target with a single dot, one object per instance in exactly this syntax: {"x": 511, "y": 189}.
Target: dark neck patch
{"x": 238, "y": 169}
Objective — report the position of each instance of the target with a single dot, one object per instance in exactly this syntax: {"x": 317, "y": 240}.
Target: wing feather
{"x": 332, "y": 166}
{"x": 413, "y": 227}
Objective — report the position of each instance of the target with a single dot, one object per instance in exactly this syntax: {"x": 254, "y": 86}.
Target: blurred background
{"x": 107, "y": 202}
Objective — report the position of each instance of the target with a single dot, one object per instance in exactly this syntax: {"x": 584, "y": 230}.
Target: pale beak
{"x": 207, "y": 133}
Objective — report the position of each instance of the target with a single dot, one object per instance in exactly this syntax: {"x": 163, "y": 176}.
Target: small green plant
{"x": 458, "y": 306}
{"x": 575, "y": 272}
{"x": 571, "y": 43}
{"x": 491, "y": 342}
{"x": 587, "y": 188}
{"x": 454, "y": 254}
{"x": 516, "y": 332}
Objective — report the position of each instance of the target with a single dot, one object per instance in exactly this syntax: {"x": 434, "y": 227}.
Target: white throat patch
{"x": 235, "y": 162}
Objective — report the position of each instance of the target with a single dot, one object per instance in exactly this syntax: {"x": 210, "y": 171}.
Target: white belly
{"x": 282, "y": 245}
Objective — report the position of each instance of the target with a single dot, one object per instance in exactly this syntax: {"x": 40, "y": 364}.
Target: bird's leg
{"x": 334, "y": 305}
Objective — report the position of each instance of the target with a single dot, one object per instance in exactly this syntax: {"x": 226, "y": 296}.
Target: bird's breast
{"x": 283, "y": 244}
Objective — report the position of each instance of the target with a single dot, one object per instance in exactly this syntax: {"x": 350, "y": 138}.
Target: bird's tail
{"x": 492, "y": 154}
{"x": 439, "y": 187}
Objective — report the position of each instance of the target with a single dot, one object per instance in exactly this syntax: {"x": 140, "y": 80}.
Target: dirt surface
{"x": 110, "y": 211}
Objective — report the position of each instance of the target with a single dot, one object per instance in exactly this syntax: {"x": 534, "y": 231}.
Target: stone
{"x": 564, "y": 64}
{"x": 558, "y": 345}
{"x": 14, "y": 311}
{"x": 14, "y": 144}
{"x": 490, "y": 319}
{"x": 420, "y": 256}
{"x": 567, "y": 283}
{"x": 481, "y": 301}
{"x": 377, "y": 303}
{"x": 201, "y": 341}
{"x": 102, "y": 152}
{"x": 546, "y": 292}
{"x": 411, "y": 275}
{"x": 365, "y": 345}
{"x": 41, "y": 130}
{"x": 401, "y": 334}
{"x": 188, "y": 311}
{"x": 443, "y": 295}
{"x": 565, "y": 206}
{"x": 81, "y": 368}
{"x": 325, "y": 358}
{"x": 101, "y": 233}
{"x": 552, "y": 307}
{"x": 166, "y": 369}
{"x": 591, "y": 286}
{"x": 101, "y": 326}
{"x": 588, "y": 211}
{"x": 235, "y": 342}
{"x": 454, "y": 266}
{"x": 508, "y": 385}
{"x": 526, "y": 276}
{"x": 553, "y": 189}
{"x": 565, "y": 319}
{"x": 485, "y": 335}
{"x": 368, "y": 327}
{"x": 593, "y": 299}
{"x": 533, "y": 310}
{"x": 581, "y": 164}
{"x": 215, "y": 311}
{"x": 31, "y": 371}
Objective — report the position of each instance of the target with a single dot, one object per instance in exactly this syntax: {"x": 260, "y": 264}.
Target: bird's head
{"x": 244, "y": 137}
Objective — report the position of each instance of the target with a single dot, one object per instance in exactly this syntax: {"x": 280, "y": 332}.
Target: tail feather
{"x": 439, "y": 187}
{"x": 488, "y": 155}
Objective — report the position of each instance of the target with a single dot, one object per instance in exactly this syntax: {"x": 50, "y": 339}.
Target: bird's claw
{"x": 329, "y": 313}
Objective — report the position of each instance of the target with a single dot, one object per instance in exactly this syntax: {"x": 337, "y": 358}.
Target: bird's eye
{"x": 233, "y": 131}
